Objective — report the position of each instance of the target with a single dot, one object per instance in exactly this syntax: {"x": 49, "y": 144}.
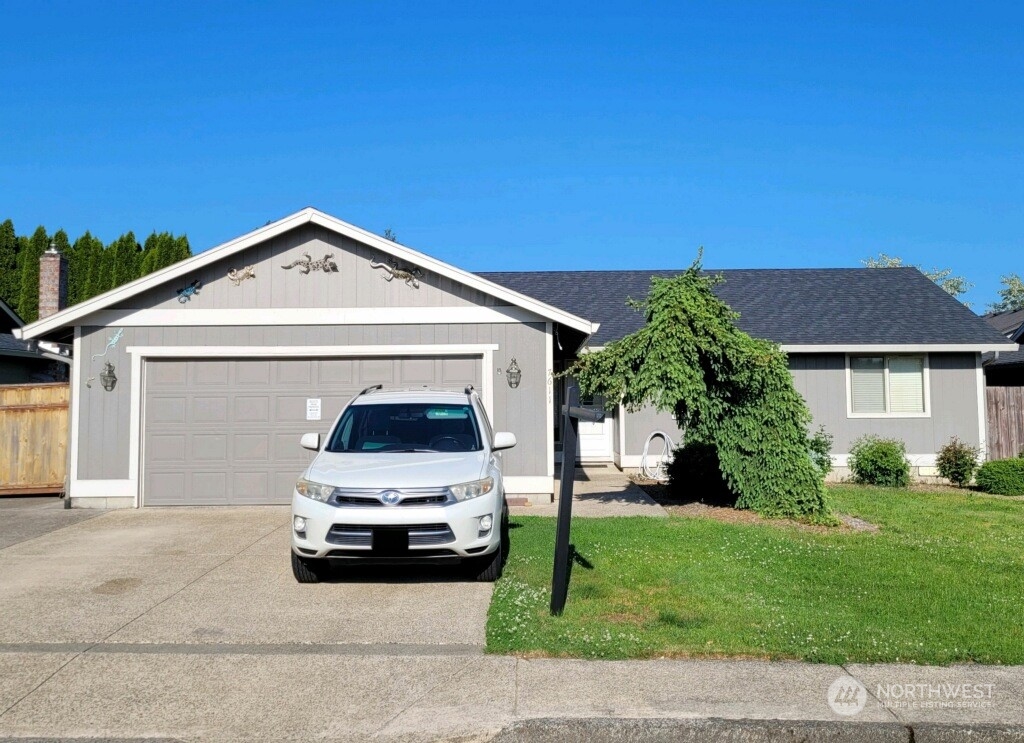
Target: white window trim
{"x": 886, "y": 356}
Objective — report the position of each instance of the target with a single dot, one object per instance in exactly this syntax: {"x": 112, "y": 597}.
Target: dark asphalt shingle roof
{"x": 1007, "y": 323}
{"x": 803, "y": 306}
{"x": 1013, "y": 358}
{"x": 9, "y": 343}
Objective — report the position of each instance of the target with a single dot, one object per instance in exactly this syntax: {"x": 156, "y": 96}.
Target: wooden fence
{"x": 33, "y": 438}
{"x": 1005, "y": 407}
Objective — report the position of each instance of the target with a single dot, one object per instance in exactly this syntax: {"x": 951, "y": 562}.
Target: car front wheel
{"x": 306, "y": 570}
{"x": 487, "y": 569}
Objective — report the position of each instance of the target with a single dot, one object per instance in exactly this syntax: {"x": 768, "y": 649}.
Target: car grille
{"x": 370, "y": 497}
{"x": 420, "y": 535}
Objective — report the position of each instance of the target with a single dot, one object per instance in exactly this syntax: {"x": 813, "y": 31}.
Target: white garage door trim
{"x": 139, "y": 354}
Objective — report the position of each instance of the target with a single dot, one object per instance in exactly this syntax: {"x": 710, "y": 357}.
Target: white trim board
{"x": 314, "y": 316}
{"x": 855, "y": 349}
{"x": 529, "y": 485}
{"x": 916, "y": 460}
{"x": 104, "y": 489}
{"x": 139, "y": 354}
{"x": 313, "y": 216}
{"x": 982, "y": 410}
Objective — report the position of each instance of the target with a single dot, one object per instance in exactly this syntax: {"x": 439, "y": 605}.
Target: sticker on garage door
{"x": 312, "y": 408}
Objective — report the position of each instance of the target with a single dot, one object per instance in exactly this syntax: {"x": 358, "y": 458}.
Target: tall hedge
{"x": 725, "y": 389}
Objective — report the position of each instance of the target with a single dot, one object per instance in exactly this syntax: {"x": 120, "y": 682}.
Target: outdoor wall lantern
{"x": 107, "y": 377}
{"x": 514, "y": 374}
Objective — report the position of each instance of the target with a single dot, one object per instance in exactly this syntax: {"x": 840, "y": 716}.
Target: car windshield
{"x": 406, "y": 427}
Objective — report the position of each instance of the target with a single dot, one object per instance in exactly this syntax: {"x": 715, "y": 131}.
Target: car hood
{"x": 396, "y": 470}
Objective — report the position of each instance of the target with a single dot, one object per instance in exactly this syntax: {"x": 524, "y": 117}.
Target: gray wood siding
{"x": 104, "y": 416}
{"x": 643, "y": 423}
{"x": 355, "y": 284}
{"x": 821, "y": 379}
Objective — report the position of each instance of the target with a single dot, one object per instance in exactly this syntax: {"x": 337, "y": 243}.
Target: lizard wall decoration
{"x": 186, "y": 293}
{"x": 238, "y": 275}
{"x": 307, "y": 264}
{"x": 393, "y": 271}
{"x": 111, "y": 343}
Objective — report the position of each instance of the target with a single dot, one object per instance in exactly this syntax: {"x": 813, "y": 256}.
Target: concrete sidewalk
{"x": 395, "y": 693}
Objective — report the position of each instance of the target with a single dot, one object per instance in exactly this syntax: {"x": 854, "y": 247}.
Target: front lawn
{"x": 942, "y": 582}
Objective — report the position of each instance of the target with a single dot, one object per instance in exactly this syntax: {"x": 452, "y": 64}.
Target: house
{"x": 23, "y": 362}
{"x": 192, "y": 385}
{"x": 1004, "y": 388}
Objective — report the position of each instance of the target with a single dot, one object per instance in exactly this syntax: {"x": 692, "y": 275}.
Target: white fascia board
{"x": 308, "y": 215}
{"x": 898, "y": 348}
{"x": 176, "y": 317}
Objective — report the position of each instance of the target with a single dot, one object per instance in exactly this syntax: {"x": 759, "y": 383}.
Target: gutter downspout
{"x": 69, "y": 360}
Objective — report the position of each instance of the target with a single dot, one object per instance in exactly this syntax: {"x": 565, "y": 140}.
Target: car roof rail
{"x": 370, "y": 389}
{"x": 469, "y": 389}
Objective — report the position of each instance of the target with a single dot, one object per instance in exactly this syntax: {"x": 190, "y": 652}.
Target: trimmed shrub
{"x": 820, "y": 448}
{"x": 695, "y": 474}
{"x": 877, "y": 461}
{"x": 957, "y": 462}
{"x": 1002, "y": 477}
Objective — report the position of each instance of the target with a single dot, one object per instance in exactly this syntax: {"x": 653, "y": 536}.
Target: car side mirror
{"x": 310, "y": 441}
{"x": 503, "y": 440}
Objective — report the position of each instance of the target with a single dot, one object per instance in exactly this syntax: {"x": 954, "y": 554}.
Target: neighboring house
{"x": 192, "y": 385}
{"x": 21, "y": 362}
{"x": 1006, "y": 369}
{"x": 1004, "y": 379}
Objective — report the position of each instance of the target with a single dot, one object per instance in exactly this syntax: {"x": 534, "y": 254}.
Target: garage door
{"x": 226, "y": 431}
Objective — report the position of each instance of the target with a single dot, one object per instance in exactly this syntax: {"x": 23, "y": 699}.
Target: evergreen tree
{"x": 10, "y": 277}
{"x": 83, "y": 267}
{"x": 124, "y": 260}
{"x": 181, "y": 251}
{"x": 33, "y": 248}
{"x": 105, "y": 279}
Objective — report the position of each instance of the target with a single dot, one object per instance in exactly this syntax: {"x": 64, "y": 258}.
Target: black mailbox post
{"x": 572, "y": 414}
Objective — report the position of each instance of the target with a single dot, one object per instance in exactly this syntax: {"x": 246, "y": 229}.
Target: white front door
{"x": 595, "y": 438}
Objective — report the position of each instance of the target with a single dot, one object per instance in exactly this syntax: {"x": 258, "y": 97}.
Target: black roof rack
{"x": 469, "y": 389}
{"x": 371, "y": 389}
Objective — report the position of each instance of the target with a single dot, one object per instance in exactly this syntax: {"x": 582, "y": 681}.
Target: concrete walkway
{"x": 599, "y": 491}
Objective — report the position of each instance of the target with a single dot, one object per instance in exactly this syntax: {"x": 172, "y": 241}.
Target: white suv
{"x": 403, "y": 477}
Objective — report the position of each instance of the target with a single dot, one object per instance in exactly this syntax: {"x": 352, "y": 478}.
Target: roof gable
{"x": 309, "y": 216}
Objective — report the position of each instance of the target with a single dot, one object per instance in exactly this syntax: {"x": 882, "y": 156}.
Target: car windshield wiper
{"x": 414, "y": 451}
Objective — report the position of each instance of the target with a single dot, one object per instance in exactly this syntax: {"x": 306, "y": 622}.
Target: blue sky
{"x": 523, "y": 136}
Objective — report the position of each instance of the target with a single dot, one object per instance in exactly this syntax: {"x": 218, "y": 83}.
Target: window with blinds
{"x": 867, "y": 382}
{"x": 887, "y": 384}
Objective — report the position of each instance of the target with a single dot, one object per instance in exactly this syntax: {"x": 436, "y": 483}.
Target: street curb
{"x": 688, "y": 730}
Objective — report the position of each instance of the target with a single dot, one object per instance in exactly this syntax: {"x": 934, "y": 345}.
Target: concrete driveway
{"x": 202, "y": 576}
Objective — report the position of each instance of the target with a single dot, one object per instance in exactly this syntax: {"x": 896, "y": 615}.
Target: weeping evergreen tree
{"x": 10, "y": 277}
{"x": 725, "y": 389}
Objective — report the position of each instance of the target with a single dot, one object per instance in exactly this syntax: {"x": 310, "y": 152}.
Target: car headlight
{"x": 467, "y": 490}
{"x": 314, "y": 490}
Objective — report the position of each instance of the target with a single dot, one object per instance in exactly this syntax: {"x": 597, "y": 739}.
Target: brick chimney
{"x": 53, "y": 282}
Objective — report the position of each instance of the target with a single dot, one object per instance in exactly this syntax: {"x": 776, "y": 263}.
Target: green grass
{"x": 943, "y": 582}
